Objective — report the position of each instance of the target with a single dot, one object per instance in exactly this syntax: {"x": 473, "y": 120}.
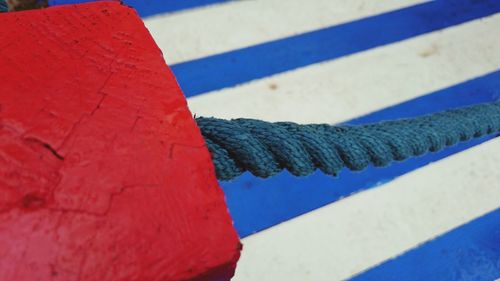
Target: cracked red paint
{"x": 103, "y": 172}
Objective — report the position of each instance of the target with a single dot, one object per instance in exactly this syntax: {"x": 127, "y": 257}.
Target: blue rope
{"x": 265, "y": 148}
{"x": 3, "y": 6}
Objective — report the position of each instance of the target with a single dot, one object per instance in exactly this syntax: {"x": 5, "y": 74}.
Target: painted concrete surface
{"x": 270, "y": 58}
{"x": 468, "y": 252}
{"x": 342, "y": 89}
{"x": 216, "y": 29}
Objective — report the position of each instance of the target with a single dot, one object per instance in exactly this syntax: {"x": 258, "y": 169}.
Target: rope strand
{"x": 3, "y": 6}
{"x": 265, "y": 148}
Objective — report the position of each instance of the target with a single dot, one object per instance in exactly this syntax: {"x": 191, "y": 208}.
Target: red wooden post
{"x": 103, "y": 172}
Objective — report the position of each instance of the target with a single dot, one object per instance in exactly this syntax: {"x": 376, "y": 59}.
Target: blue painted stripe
{"x": 468, "y": 253}
{"x": 243, "y": 65}
{"x": 67, "y": 2}
{"x": 152, "y": 7}
{"x": 256, "y": 204}
{"x": 147, "y": 8}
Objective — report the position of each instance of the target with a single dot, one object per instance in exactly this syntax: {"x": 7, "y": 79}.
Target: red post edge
{"x": 103, "y": 172}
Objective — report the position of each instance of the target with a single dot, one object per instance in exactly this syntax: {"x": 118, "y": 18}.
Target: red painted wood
{"x": 103, "y": 172}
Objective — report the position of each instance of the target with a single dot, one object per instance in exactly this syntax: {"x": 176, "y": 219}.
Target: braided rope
{"x": 3, "y": 6}
{"x": 265, "y": 148}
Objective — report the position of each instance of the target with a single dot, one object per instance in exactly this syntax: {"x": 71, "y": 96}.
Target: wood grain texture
{"x": 103, "y": 172}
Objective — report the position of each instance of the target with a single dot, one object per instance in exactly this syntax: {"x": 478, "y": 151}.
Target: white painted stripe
{"x": 355, "y": 85}
{"x": 361, "y": 231}
{"x": 220, "y": 28}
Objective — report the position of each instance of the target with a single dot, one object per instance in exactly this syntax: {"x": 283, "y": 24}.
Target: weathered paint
{"x": 104, "y": 175}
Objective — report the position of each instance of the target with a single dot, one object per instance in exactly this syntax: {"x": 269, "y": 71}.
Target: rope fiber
{"x": 3, "y": 6}
{"x": 266, "y": 148}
